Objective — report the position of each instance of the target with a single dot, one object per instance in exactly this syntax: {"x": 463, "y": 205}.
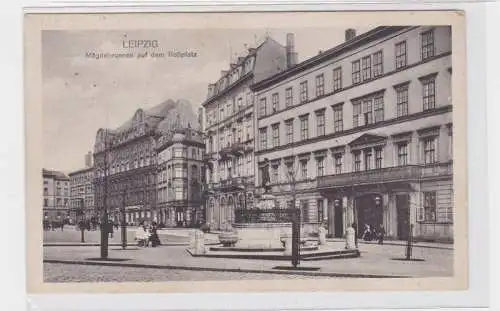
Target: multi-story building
{"x": 56, "y": 195}
{"x": 125, "y": 161}
{"x": 362, "y": 133}
{"x": 229, "y": 128}
{"x": 180, "y": 178}
{"x": 82, "y": 191}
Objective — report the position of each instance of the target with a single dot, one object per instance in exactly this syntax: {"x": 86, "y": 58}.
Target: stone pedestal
{"x": 198, "y": 244}
{"x": 322, "y": 235}
{"x": 261, "y": 235}
{"x": 349, "y": 238}
{"x": 288, "y": 246}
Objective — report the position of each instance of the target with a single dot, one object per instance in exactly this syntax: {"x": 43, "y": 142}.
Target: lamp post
{"x": 104, "y": 220}
{"x": 82, "y": 227}
{"x": 124, "y": 219}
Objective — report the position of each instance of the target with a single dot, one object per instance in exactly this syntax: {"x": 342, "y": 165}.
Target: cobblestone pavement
{"x": 83, "y": 273}
{"x": 374, "y": 260}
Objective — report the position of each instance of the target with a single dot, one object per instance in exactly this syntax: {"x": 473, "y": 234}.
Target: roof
{"x": 83, "y": 170}
{"x": 54, "y": 174}
{"x": 352, "y": 44}
{"x": 161, "y": 117}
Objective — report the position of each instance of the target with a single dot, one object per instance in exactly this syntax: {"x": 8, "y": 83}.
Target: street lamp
{"x": 81, "y": 224}
{"x": 124, "y": 219}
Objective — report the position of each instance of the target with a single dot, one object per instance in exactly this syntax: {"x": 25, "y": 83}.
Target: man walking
{"x": 381, "y": 234}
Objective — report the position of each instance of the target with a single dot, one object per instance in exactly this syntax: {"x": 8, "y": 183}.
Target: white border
{"x": 12, "y": 184}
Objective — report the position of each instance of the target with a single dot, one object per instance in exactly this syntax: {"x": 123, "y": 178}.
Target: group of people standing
{"x": 370, "y": 233}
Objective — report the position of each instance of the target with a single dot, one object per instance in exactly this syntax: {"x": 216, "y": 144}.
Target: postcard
{"x": 242, "y": 152}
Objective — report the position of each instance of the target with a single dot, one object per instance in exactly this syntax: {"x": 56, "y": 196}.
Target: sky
{"x": 81, "y": 94}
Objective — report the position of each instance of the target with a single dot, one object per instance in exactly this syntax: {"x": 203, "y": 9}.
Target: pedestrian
{"x": 355, "y": 227}
{"x": 110, "y": 228}
{"x": 381, "y": 234}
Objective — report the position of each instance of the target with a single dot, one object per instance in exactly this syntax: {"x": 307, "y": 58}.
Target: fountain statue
{"x": 266, "y": 227}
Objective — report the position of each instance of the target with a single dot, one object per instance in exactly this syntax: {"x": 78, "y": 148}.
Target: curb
{"x": 118, "y": 244}
{"x": 397, "y": 244}
{"x": 191, "y": 268}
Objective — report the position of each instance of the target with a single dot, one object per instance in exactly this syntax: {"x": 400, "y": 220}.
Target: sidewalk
{"x": 375, "y": 261}
{"x": 436, "y": 245}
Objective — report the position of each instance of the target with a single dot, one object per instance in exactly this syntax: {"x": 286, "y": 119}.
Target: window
{"x": 401, "y": 54}
{"x": 338, "y": 163}
{"x": 303, "y": 92}
{"x": 356, "y": 72}
{"x": 45, "y": 191}
{"x": 402, "y": 101}
{"x": 45, "y": 202}
{"x": 357, "y": 161}
{"x": 263, "y": 107}
{"x": 378, "y": 158}
{"x": 429, "y": 150}
{"x": 221, "y": 113}
{"x": 179, "y": 153}
{"x": 275, "y": 102}
{"x": 320, "y": 85}
{"x": 367, "y": 111}
{"x": 429, "y": 94}
{"x": 304, "y": 127}
{"x": 402, "y": 153}
{"x": 320, "y": 210}
{"x": 430, "y": 206}
{"x": 338, "y": 118}
{"x": 179, "y": 193}
{"x": 356, "y": 111}
{"x": 276, "y": 134}
{"x": 367, "y": 67}
{"x": 290, "y": 173}
{"x": 275, "y": 170}
{"x": 320, "y": 162}
{"x": 378, "y": 103}
{"x": 263, "y": 138}
{"x": 303, "y": 169}
{"x": 427, "y": 50}
{"x": 368, "y": 159}
{"x": 289, "y": 131}
{"x": 337, "y": 79}
{"x": 240, "y": 103}
{"x": 320, "y": 123}
{"x": 288, "y": 97}
{"x": 378, "y": 64}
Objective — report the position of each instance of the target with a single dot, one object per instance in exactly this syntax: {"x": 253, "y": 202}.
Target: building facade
{"x": 229, "y": 127}
{"x": 362, "y": 133}
{"x": 180, "y": 178}
{"x": 56, "y": 195}
{"x": 82, "y": 192}
{"x": 125, "y": 161}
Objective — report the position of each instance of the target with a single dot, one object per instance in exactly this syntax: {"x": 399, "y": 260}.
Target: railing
{"x": 274, "y": 215}
{"x": 437, "y": 169}
{"x": 235, "y": 182}
{"x": 399, "y": 173}
{"x": 389, "y": 174}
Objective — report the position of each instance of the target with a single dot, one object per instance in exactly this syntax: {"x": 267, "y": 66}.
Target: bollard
{"x": 322, "y": 235}
{"x": 350, "y": 238}
{"x": 199, "y": 242}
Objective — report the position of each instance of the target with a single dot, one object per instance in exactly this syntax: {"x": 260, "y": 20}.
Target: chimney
{"x": 291, "y": 55}
{"x": 211, "y": 90}
{"x": 223, "y": 73}
{"x": 232, "y": 65}
{"x": 88, "y": 159}
{"x": 350, "y": 34}
{"x": 241, "y": 59}
{"x": 251, "y": 50}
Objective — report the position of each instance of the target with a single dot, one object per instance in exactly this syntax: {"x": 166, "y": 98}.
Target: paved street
{"x": 375, "y": 260}
{"x": 81, "y": 273}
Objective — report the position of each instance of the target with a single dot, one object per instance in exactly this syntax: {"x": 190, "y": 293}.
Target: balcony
{"x": 406, "y": 173}
{"x": 235, "y": 183}
{"x": 211, "y": 156}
